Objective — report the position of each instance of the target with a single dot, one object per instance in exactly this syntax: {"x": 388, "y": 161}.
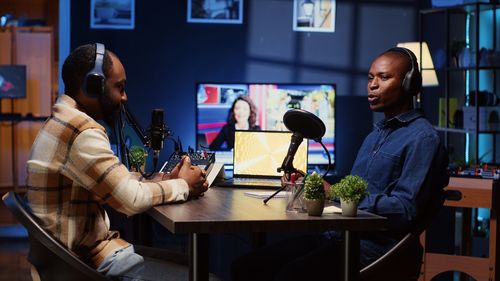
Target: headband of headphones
{"x": 412, "y": 82}
{"x": 95, "y": 79}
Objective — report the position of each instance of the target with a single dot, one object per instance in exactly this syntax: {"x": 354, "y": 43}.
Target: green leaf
{"x": 313, "y": 187}
{"x": 137, "y": 156}
{"x": 350, "y": 188}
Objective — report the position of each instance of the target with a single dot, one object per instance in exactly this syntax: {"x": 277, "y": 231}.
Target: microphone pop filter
{"x": 305, "y": 123}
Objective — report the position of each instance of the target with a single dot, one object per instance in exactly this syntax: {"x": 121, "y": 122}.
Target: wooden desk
{"x": 229, "y": 210}
{"x": 475, "y": 193}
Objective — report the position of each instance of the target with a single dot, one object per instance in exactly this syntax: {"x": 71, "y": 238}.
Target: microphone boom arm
{"x": 135, "y": 126}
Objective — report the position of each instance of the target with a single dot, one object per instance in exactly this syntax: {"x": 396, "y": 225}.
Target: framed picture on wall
{"x": 112, "y": 14}
{"x": 215, "y": 11}
{"x": 314, "y": 15}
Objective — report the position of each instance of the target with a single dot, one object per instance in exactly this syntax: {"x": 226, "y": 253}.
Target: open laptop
{"x": 258, "y": 154}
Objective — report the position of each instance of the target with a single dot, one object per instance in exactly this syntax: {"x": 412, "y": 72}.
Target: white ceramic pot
{"x": 349, "y": 209}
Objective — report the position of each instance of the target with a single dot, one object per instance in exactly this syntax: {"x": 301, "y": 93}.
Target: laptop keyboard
{"x": 257, "y": 182}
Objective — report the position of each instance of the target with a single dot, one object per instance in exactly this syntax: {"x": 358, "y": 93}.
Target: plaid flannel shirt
{"x": 72, "y": 171}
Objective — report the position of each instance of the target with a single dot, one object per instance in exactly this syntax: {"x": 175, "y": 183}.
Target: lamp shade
{"x": 429, "y": 77}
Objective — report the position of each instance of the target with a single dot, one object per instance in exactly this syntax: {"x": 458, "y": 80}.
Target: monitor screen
{"x": 12, "y": 81}
{"x": 260, "y": 107}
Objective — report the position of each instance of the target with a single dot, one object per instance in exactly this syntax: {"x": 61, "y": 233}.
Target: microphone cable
{"x": 121, "y": 139}
{"x": 329, "y": 159}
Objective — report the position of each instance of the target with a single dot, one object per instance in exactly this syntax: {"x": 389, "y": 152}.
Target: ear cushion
{"x": 95, "y": 79}
{"x": 94, "y": 84}
{"x": 412, "y": 82}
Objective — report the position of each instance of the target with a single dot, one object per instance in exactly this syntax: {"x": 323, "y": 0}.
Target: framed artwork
{"x": 314, "y": 15}
{"x": 112, "y": 14}
{"x": 215, "y": 11}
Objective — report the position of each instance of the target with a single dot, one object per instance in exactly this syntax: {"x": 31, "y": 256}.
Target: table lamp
{"x": 429, "y": 77}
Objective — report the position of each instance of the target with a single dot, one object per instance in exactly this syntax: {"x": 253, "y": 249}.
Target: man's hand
{"x": 175, "y": 171}
{"x": 297, "y": 177}
{"x": 195, "y": 177}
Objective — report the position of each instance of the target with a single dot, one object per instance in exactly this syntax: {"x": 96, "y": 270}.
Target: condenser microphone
{"x": 157, "y": 132}
{"x": 295, "y": 142}
{"x": 303, "y": 124}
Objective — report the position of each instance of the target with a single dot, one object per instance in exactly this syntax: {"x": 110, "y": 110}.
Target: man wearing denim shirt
{"x": 404, "y": 163}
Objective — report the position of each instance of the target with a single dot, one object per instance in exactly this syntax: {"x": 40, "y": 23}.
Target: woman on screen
{"x": 241, "y": 116}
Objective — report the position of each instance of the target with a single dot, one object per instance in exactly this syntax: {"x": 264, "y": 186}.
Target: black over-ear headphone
{"x": 412, "y": 82}
{"x": 95, "y": 79}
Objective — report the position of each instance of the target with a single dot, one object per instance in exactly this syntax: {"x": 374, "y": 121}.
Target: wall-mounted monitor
{"x": 12, "y": 81}
{"x": 216, "y": 123}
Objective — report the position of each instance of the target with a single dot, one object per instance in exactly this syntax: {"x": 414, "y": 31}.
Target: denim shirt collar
{"x": 400, "y": 120}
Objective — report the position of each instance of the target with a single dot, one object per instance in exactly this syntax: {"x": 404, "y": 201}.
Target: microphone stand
{"x": 122, "y": 146}
{"x": 291, "y": 169}
{"x": 287, "y": 165}
{"x": 281, "y": 188}
{"x": 135, "y": 126}
{"x": 137, "y": 129}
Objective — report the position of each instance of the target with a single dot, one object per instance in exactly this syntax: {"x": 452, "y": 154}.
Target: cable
{"x": 329, "y": 159}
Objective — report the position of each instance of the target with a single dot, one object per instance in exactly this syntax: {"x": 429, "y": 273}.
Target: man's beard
{"x": 110, "y": 110}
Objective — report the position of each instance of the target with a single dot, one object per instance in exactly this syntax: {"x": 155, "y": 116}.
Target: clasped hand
{"x": 195, "y": 177}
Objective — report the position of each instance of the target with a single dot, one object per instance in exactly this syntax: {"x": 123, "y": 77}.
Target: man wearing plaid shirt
{"x": 72, "y": 172}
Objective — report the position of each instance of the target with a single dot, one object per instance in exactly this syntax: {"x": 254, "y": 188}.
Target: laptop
{"x": 257, "y": 156}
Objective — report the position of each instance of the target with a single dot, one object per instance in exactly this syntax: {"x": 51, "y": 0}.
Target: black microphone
{"x": 157, "y": 132}
{"x": 303, "y": 124}
{"x": 295, "y": 142}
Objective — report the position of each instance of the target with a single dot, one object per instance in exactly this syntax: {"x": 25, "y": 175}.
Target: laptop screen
{"x": 260, "y": 153}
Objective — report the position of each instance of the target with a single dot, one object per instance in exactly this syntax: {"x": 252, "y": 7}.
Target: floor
{"x": 14, "y": 248}
{"x": 13, "y": 263}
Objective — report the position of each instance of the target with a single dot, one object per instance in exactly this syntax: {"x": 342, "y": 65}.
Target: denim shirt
{"x": 404, "y": 163}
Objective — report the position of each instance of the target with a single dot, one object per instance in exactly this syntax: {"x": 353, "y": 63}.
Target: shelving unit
{"x": 464, "y": 23}
{"x": 473, "y": 140}
{"x": 33, "y": 47}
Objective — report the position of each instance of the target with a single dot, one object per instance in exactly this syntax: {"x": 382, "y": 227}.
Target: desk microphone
{"x": 295, "y": 142}
{"x": 157, "y": 132}
{"x": 303, "y": 124}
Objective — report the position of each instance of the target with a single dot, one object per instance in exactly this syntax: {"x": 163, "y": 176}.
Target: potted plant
{"x": 137, "y": 156}
{"x": 314, "y": 194}
{"x": 350, "y": 190}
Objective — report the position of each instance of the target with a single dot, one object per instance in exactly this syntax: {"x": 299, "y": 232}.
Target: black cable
{"x": 122, "y": 146}
{"x": 329, "y": 159}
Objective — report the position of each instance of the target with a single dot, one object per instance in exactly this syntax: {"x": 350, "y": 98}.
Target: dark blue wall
{"x": 165, "y": 56}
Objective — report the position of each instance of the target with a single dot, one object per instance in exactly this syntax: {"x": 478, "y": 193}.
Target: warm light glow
{"x": 429, "y": 77}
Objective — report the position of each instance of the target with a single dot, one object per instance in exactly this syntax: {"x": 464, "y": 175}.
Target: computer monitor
{"x": 12, "y": 81}
{"x": 271, "y": 101}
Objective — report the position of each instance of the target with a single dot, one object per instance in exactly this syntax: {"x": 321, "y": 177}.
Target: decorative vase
{"x": 315, "y": 206}
{"x": 349, "y": 208}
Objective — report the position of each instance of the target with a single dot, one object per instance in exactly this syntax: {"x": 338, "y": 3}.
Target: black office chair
{"x": 401, "y": 263}
{"x": 404, "y": 261}
{"x": 50, "y": 258}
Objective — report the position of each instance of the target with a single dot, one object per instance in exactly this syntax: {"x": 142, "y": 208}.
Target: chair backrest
{"x": 51, "y": 259}
{"x": 404, "y": 261}
{"x": 401, "y": 263}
